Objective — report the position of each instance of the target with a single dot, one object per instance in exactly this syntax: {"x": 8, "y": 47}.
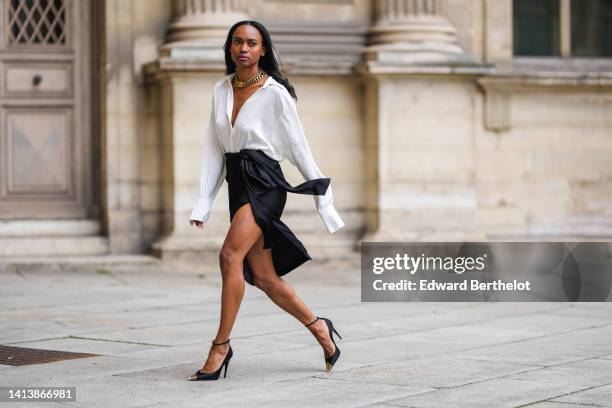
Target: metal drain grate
{"x": 18, "y": 356}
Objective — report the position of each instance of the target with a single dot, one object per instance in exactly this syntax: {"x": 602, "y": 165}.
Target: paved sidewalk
{"x": 153, "y": 330}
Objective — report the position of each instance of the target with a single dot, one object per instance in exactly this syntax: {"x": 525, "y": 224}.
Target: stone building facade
{"x": 436, "y": 120}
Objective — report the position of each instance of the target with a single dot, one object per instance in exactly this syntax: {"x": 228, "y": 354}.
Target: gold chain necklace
{"x": 248, "y": 82}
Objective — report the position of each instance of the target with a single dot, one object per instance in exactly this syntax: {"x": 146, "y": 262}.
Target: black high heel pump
{"x": 329, "y": 360}
{"x": 201, "y": 375}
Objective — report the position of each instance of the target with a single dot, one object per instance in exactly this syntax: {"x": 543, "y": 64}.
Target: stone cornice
{"x": 373, "y": 68}
{"x": 514, "y": 80}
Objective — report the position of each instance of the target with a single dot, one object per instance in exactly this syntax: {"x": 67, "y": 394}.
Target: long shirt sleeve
{"x": 212, "y": 171}
{"x": 296, "y": 149}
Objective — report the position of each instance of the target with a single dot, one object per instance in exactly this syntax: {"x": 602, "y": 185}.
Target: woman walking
{"x": 253, "y": 126}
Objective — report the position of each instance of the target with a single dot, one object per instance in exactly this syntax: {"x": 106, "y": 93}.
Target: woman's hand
{"x": 197, "y": 223}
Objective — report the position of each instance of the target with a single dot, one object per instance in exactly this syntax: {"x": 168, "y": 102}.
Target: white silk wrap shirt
{"x": 268, "y": 120}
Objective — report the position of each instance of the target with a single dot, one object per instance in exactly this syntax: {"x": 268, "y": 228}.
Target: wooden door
{"x": 45, "y": 137}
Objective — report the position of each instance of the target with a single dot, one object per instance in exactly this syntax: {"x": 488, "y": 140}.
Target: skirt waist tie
{"x": 260, "y": 171}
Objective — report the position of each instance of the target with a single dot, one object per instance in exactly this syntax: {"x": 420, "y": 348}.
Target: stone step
{"x": 53, "y": 246}
{"x": 49, "y": 228}
{"x": 200, "y": 254}
{"x": 330, "y": 246}
{"x": 83, "y": 264}
{"x": 180, "y": 243}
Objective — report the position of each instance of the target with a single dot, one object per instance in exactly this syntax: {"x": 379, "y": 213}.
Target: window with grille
{"x": 36, "y": 22}
{"x": 562, "y": 28}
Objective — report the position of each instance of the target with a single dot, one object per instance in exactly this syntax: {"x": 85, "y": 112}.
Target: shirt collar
{"x": 268, "y": 82}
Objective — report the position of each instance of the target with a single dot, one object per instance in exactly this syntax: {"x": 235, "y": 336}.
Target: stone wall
{"x": 550, "y": 174}
{"x": 428, "y": 127}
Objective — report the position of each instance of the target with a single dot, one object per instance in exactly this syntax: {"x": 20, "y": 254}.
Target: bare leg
{"x": 283, "y": 294}
{"x": 242, "y": 234}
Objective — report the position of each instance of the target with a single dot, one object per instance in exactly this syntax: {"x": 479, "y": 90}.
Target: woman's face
{"x": 247, "y": 46}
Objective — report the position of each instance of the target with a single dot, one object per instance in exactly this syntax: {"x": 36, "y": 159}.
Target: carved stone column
{"x": 199, "y": 26}
{"x": 412, "y": 31}
{"x": 419, "y": 135}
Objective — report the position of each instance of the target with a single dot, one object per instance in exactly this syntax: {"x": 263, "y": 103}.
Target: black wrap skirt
{"x": 254, "y": 177}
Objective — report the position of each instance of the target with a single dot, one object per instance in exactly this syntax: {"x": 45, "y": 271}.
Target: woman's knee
{"x": 229, "y": 257}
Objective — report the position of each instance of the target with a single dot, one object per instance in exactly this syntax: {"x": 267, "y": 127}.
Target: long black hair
{"x": 269, "y": 62}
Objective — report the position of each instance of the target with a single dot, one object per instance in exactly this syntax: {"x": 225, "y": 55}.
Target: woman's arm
{"x": 297, "y": 150}
{"x": 212, "y": 171}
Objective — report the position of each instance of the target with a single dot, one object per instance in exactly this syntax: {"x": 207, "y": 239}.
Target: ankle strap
{"x": 318, "y": 318}
{"x": 219, "y": 344}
